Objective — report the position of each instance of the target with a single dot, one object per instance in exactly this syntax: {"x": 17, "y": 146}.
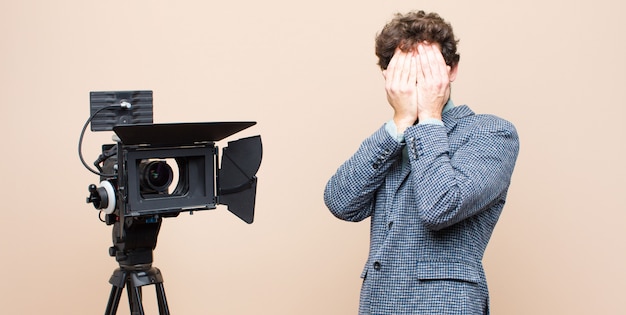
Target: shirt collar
{"x": 449, "y": 105}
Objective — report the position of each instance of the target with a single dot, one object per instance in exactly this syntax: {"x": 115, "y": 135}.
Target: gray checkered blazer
{"x": 432, "y": 219}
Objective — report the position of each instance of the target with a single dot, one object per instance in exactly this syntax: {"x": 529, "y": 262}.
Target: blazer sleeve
{"x": 452, "y": 186}
{"x": 350, "y": 192}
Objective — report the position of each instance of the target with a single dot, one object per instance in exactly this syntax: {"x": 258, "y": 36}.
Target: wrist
{"x": 402, "y": 123}
{"x": 429, "y": 116}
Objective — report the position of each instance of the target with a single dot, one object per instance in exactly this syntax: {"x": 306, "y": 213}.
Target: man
{"x": 433, "y": 180}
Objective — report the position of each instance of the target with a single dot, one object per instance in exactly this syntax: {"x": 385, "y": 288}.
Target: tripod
{"x": 134, "y": 279}
{"x": 133, "y": 251}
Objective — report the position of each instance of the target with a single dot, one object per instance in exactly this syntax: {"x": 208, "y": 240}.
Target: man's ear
{"x": 452, "y": 72}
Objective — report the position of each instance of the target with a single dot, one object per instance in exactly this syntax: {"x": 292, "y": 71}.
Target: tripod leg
{"x": 114, "y": 300}
{"x": 160, "y": 292}
{"x": 134, "y": 299}
{"x": 117, "y": 280}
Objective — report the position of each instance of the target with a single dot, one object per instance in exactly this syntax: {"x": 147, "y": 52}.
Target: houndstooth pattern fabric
{"x": 430, "y": 222}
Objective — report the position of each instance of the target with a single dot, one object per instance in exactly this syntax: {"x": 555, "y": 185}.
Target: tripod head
{"x": 134, "y": 242}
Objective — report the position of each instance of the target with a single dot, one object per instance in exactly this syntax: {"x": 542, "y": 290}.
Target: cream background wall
{"x": 305, "y": 71}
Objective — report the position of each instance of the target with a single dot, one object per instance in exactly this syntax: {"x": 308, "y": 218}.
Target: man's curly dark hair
{"x": 407, "y": 30}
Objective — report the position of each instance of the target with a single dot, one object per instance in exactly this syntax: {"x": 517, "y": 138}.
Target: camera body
{"x": 160, "y": 170}
{"x": 145, "y": 183}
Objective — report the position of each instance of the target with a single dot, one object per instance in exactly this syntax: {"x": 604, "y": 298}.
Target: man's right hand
{"x": 401, "y": 87}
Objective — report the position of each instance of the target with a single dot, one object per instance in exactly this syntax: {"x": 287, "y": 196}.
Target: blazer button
{"x": 390, "y": 225}
{"x": 376, "y": 266}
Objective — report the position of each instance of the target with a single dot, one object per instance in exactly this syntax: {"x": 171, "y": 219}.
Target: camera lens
{"x": 156, "y": 176}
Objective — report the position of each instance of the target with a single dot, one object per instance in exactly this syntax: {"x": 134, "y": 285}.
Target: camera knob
{"x": 103, "y": 197}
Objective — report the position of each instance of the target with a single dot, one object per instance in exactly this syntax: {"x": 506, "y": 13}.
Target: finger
{"x": 431, "y": 60}
{"x": 437, "y": 63}
{"x": 398, "y": 77}
{"x": 405, "y": 76}
{"x": 391, "y": 69}
{"x": 423, "y": 64}
{"x": 441, "y": 62}
{"x": 400, "y": 65}
{"x": 413, "y": 68}
{"x": 393, "y": 62}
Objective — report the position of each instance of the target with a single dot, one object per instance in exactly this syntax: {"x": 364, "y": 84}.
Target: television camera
{"x": 155, "y": 171}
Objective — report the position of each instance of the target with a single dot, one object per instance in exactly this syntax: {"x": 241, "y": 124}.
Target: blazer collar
{"x": 452, "y": 116}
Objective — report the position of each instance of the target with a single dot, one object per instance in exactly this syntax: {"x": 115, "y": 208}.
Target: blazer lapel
{"x": 451, "y": 117}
